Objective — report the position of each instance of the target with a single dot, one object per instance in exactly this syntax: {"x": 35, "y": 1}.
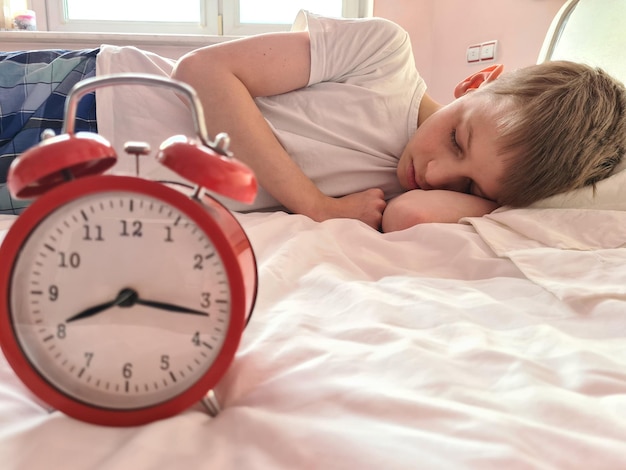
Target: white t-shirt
{"x": 346, "y": 129}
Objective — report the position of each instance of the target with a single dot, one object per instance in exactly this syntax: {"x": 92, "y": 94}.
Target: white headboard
{"x": 589, "y": 31}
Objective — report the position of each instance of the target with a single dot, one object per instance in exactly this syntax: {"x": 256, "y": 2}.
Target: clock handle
{"x": 91, "y": 84}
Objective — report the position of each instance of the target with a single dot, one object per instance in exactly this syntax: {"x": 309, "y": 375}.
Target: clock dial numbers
{"x": 93, "y": 233}
{"x": 125, "y": 295}
{"x": 132, "y": 228}
{"x": 53, "y": 292}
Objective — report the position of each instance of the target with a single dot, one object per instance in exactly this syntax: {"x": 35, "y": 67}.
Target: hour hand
{"x": 91, "y": 311}
{"x": 124, "y": 298}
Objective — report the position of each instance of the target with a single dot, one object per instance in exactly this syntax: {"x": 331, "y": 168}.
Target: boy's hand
{"x": 367, "y": 206}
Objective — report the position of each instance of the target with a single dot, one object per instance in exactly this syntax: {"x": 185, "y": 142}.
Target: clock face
{"x": 120, "y": 300}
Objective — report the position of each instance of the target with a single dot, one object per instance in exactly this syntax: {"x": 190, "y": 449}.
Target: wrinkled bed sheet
{"x": 434, "y": 347}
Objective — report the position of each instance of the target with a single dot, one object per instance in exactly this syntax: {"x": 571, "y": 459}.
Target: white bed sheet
{"x": 415, "y": 349}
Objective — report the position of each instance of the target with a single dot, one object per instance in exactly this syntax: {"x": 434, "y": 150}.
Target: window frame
{"x": 232, "y": 27}
{"x": 218, "y": 17}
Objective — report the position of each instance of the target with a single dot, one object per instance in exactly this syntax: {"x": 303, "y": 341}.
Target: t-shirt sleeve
{"x": 354, "y": 50}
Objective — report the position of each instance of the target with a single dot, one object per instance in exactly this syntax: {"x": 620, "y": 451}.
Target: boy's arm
{"x": 418, "y": 207}
{"x": 227, "y": 78}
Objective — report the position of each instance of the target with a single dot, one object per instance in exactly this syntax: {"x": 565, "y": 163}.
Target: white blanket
{"x": 416, "y": 349}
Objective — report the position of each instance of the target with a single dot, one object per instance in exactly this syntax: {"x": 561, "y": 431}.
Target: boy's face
{"x": 455, "y": 149}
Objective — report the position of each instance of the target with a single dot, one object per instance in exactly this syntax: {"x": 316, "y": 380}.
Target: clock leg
{"x": 211, "y": 404}
{"x": 49, "y": 409}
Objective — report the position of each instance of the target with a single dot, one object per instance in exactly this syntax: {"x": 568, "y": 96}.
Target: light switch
{"x": 488, "y": 50}
{"x": 473, "y": 53}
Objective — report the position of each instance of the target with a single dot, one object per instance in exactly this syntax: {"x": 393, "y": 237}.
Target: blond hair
{"x": 567, "y": 129}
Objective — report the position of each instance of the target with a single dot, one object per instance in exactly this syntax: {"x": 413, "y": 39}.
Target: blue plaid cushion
{"x": 33, "y": 88}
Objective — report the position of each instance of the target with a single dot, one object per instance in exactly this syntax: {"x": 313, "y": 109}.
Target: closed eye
{"x": 473, "y": 189}
{"x": 455, "y": 144}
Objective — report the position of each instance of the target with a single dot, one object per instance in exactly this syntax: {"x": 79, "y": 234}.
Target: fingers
{"x": 367, "y": 206}
{"x": 374, "y": 206}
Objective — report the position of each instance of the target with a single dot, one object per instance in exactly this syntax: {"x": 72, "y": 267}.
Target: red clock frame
{"x": 211, "y": 217}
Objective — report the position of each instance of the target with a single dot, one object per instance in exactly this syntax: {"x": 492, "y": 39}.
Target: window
{"x": 227, "y": 17}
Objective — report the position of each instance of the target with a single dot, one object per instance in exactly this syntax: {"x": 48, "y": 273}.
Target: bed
{"x": 497, "y": 342}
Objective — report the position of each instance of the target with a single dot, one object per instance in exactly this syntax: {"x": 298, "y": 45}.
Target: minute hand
{"x": 170, "y": 307}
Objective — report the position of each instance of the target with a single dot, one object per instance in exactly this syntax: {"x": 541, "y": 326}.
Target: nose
{"x": 446, "y": 175}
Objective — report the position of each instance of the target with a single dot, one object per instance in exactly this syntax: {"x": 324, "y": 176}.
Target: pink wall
{"x": 441, "y": 30}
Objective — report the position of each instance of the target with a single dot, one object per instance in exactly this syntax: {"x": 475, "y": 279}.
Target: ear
{"x": 478, "y": 79}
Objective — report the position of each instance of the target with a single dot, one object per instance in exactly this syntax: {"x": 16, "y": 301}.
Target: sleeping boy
{"x": 335, "y": 121}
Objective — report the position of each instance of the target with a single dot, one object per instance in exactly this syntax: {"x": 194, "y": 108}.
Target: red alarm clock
{"x": 125, "y": 299}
